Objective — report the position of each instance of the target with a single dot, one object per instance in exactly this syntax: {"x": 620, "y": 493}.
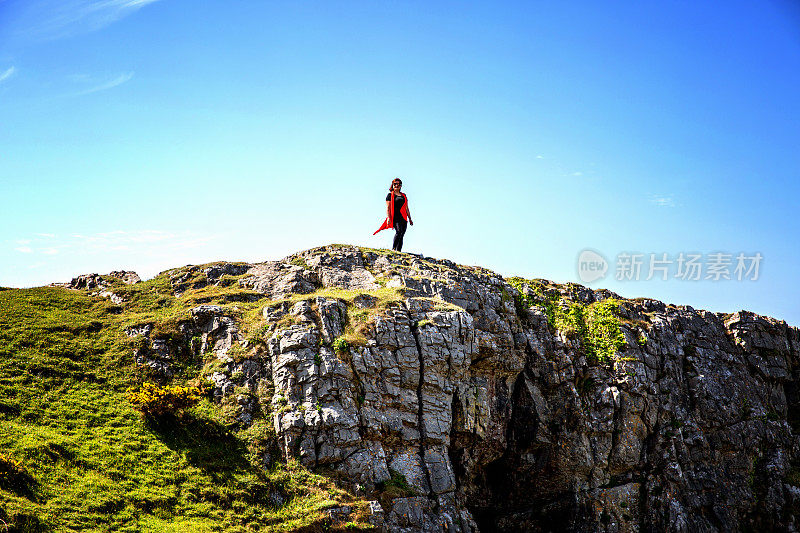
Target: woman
{"x": 396, "y": 214}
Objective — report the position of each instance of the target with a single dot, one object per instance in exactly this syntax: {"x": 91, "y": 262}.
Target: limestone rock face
{"x": 152, "y": 353}
{"x": 128, "y": 277}
{"x": 465, "y": 410}
{"x": 99, "y": 285}
{"x": 95, "y": 281}
{"x": 277, "y": 279}
{"x": 86, "y": 281}
{"x": 217, "y": 331}
{"x": 208, "y": 330}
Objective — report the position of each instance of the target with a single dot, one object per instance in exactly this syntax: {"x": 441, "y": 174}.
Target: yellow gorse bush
{"x": 156, "y": 400}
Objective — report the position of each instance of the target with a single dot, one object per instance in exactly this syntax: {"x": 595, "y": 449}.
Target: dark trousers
{"x": 400, "y": 230}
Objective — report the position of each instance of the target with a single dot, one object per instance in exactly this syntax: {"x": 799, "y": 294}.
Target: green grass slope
{"x": 76, "y": 456}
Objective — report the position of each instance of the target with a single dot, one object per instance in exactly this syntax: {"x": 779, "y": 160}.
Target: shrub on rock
{"x": 341, "y": 345}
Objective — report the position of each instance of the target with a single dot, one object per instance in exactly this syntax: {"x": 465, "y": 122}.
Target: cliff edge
{"x": 490, "y": 404}
{"x": 347, "y": 388}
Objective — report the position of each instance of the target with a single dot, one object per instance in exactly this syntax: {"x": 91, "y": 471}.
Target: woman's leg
{"x": 400, "y": 230}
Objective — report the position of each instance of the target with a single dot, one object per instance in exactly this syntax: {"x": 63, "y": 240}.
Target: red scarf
{"x": 387, "y": 224}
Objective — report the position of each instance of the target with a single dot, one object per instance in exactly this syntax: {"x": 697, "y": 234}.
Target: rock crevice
{"x": 421, "y": 412}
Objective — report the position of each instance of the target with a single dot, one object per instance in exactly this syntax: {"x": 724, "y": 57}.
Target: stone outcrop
{"x": 128, "y": 277}
{"x": 96, "y": 281}
{"x": 86, "y": 281}
{"x": 277, "y": 279}
{"x": 100, "y": 283}
{"x": 461, "y": 408}
{"x": 208, "y": 330}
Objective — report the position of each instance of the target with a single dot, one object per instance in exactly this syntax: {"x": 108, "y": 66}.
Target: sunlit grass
{"x": 95, "y": 464}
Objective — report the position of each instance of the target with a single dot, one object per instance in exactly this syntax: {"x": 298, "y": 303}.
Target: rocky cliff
{"x": 462, "y": 401}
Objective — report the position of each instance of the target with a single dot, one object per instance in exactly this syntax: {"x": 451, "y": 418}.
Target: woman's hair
{"x": 391, "y": 187}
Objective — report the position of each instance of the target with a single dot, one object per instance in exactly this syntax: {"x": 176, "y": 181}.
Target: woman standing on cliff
{"x": 397, "y": 214}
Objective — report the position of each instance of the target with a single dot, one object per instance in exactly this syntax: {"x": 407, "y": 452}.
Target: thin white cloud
{"x": 7, "y": 74}
{"x": 141, "y": 242}
{"x": 55, "y": 19}
{"x": 662, "y": 200}
{"x": 119, "y": 80}
{"x": 120, "y": 247}
{"x": 577, "y": 174}
{"x": 539, "y": 157}
{"x": 132, "y": 241}
{"x": 115, "y": 239}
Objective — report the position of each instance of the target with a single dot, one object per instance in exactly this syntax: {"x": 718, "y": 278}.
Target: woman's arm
{"x": 389, "y": 209}
{"x": 409, "y": 215}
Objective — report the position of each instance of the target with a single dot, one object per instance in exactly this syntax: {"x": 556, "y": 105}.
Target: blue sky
{"x": 149, "y": 134}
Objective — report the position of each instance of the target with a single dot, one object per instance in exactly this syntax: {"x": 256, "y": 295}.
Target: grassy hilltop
{"x": 76, "y": 456}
